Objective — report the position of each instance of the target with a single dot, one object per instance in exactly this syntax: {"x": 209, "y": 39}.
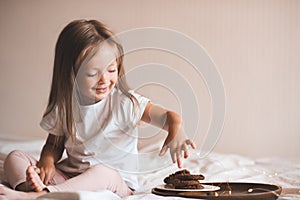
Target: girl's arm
{"x": 176, "y": 140}
{"x": 51, "y": 154}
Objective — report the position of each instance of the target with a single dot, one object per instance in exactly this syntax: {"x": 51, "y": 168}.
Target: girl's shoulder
{"x": 117, "y": 93}
{"x": 131, "y": 101}
{"x": 130, "y": 97}
{"x": 119, "y": 98}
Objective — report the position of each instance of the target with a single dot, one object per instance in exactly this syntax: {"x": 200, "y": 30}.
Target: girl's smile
{"x": 103, "y": 89}
{"x": 100, "y": 89}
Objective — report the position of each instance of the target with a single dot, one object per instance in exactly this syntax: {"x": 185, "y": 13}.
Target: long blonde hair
{"x": 74, "y": 43}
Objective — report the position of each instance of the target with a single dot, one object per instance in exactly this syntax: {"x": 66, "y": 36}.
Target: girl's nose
{"x": 103, "y": 77}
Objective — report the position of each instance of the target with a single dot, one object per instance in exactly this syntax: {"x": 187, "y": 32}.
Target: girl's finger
{"x": 47, "y": 178}
{"x": 173, "y": 156}
{"x": 42, "y": 175}
{"x": 179, "y": 164}
{"x": 186, "y": 151}
{"x": 190, "y": 142}
{"x": 178, "y": 156}
{"x": 163, "y": 150}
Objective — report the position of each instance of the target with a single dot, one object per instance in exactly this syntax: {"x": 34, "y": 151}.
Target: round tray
{"x": 230, "y": 191}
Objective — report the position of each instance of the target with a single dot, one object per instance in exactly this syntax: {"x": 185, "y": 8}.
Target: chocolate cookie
{"x": 187, "y": 177}
{"x": 184, "y": 180}
{"x": 181, "y": 183}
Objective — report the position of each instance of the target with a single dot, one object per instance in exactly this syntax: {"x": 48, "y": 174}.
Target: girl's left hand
{"x": 178, "y": 143}
{"x": 176, "y": 140}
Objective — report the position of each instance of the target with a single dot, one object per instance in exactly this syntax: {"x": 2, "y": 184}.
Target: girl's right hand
{"x": 46, "y": 171}
{"x": 51, "y": 153}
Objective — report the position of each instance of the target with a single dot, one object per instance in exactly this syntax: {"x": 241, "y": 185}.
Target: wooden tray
{"x": 230, "y": 191}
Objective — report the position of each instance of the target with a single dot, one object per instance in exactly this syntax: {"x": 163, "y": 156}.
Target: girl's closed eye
{"x": 112, "y": 70}
{"x": 92, "y": 74}
{"x": 112, "y": 67}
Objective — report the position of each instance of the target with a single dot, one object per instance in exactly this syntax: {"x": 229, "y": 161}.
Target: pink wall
{"x": 255, "y": 45}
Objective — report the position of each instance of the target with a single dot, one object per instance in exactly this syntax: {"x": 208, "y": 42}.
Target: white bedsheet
{"x": 215, "y": 167}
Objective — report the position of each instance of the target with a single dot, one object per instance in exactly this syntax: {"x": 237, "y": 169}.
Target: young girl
{"x": 92, "y": 114}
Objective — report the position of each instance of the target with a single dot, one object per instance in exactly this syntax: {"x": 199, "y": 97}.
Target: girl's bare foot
{"x": 7, "y": 193}
{"x": 33, "y": 179}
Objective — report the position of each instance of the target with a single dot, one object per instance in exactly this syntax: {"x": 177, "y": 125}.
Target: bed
{"x": 216, "y": 167}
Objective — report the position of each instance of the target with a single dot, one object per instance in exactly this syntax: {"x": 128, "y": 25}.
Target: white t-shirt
{"x": 106, "y": 132}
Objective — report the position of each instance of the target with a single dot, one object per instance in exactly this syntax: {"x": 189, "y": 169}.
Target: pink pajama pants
{"x": 98, "y": 177}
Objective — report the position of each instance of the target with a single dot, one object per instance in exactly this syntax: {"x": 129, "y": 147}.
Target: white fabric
{"x": 106, "y": 132}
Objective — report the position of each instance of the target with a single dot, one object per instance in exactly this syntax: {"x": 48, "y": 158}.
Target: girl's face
{"x": 99, "y": 76}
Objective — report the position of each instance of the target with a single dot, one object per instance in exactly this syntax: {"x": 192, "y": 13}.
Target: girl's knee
{"x": 15, "y": 153}
{"x": 19, "y": 157}
{"x": 104, "y": 168}
{"x": 12, "y": 157}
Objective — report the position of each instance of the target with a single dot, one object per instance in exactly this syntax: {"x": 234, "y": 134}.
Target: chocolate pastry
{"x": 184, "y": 180}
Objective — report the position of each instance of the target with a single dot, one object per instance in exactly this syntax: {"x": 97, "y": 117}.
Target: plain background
{"x": 255, "y": 44}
